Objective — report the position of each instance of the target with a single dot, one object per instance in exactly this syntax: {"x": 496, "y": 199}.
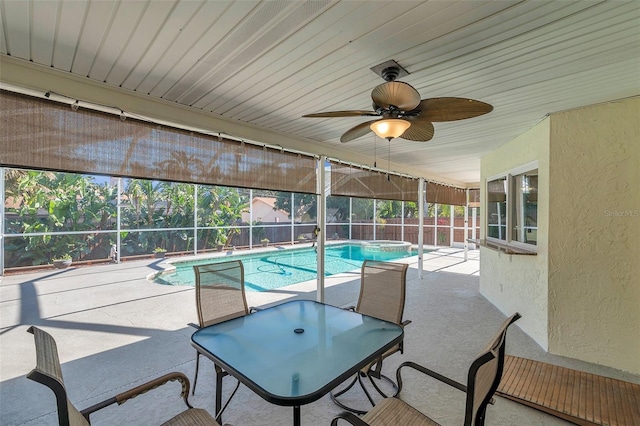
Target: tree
{"x": 389, "y": 209}
{"x": 362, "y": 209}
{"x": 144, "y": 197}
{"x": 305, "y": 204}
{"x": 337, "y": 209}
{"x": 47, "y": 202}
{"x": 220, "y": 207}
{"x": 178, "y": 213}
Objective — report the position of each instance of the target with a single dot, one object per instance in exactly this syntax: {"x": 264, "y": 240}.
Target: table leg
{"x": 296, "y": 415}
{"x": 219, "y": 376}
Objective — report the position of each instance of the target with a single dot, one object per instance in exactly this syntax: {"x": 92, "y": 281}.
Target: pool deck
{"x": 115, "y": 329}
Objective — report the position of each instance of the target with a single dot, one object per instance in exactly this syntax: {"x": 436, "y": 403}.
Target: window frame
{"x": 510, "y": 176}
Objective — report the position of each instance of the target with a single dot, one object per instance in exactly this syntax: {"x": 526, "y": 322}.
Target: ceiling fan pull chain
{"x": 389, "y": 162}
{"x": 375, "y": 151}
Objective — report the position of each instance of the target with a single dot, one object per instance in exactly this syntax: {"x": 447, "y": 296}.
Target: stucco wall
{"x": 517, "y": 282}
{"x": 594, "y": 228}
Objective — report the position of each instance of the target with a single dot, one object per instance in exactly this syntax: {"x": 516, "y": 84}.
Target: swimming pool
{"x": 273, "y": 269}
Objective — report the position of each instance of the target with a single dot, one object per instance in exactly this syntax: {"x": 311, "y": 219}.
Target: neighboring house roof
{"x": 264, "y": 210}
{"x": 270, "y": 201}
{"x": 13, "y": 204}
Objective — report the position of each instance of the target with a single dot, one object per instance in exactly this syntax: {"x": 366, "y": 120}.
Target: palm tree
{"x": 144, "y": 196}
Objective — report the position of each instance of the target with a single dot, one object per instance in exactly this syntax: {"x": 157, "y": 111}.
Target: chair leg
{"x": 396, "y": 391}
{"x": 358, "y": 379}
{"x": 376, "y": 373}
{"x": 195, "y": 379}
{"x": 480, "y": 416}
{"x": 353, "y": 382}
{"x": 366, "y": 392}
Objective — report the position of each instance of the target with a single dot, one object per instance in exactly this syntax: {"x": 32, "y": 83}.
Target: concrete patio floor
{"x": 115, "y": 330}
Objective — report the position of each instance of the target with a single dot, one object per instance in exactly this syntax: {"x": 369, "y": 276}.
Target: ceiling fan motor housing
{"x": 390, "y": 73}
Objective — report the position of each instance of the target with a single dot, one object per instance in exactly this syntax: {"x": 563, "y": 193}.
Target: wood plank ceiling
{"x": 266, "y": 63}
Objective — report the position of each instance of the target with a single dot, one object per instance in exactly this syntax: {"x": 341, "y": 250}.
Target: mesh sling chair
{"x": 483, "y": 379}
{"x": 49, "y": 373}
{"x": 382, "y": 295}
{"x": 219, "y": 297}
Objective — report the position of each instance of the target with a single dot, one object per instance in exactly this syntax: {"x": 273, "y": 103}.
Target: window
{"x": 497, "y": 208}
{"x": 512, "y": 207}
{"x": 524, "y": 207}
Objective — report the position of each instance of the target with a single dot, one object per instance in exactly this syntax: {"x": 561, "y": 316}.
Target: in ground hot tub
{"x": 385, "y": 246}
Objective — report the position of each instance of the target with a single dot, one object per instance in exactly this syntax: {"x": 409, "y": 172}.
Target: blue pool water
{"x": 274, "y": 269}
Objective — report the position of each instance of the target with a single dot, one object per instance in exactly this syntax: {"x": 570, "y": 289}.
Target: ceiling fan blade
{"x": 451, "y": 109}
{"x": 420, "y": 131}
{"x": 396, "y": 93}
{"x": 354, "y": 113}
{"x": 356, "y": 131}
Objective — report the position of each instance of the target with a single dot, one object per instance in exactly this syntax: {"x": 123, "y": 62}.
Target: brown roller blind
{"x": 474, "y": 197}
{"x": 443, "y": 194}
{"x": 352, "y": 181}
{"x": 496, "y": 192}
{"x": 40, "y": 134}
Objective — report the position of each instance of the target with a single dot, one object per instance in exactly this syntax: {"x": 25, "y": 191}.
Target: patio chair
{"x": 219, "y": 297}
{"x": 382, "y": 295}
{"x": 49, "y": 373}
{"x": 483, "y": 379}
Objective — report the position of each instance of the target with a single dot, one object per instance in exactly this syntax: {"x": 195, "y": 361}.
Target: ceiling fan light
{"x": 390, "y": 128}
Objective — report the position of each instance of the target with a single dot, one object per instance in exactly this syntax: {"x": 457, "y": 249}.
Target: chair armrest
{"x": 405, "y": 323}
{"x": 139, "y": 390}
{"x": 349, "y": 417}
{"x": 433, "y": 374}
{"x": 428, "y": 372}
{"x": 170, "y": 377}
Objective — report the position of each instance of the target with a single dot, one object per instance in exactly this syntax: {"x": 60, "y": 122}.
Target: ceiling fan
{"x": 402, "y": 112}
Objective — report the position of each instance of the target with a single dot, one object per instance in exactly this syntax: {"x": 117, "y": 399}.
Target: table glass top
{"x": 297, "y": 348}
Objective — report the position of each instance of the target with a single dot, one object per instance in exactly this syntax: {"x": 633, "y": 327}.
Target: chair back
{"x": 382, "y": 290}
{"x": 485, "y": 374}
{"x": 220, "y": 292}
{"x": 49, "y": 373}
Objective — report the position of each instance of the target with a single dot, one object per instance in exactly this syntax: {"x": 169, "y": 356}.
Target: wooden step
{"x": 579, "y": 397}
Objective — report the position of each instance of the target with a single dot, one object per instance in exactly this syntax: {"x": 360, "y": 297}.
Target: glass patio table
{"x": 296, "y": 352}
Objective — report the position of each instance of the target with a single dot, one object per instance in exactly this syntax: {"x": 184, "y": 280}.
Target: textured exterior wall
{"x": 517, "y": 282}
{"x": 594, "y": 262}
